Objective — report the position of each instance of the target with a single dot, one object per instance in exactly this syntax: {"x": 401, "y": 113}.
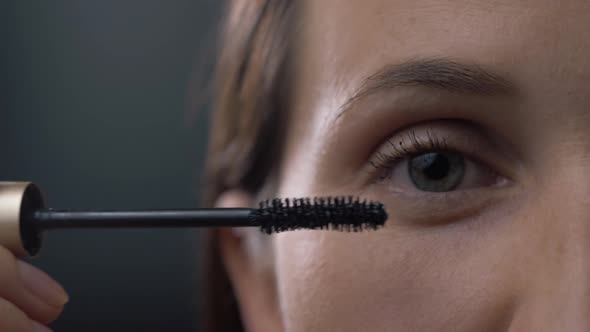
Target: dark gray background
{"x": 93, "y": 108}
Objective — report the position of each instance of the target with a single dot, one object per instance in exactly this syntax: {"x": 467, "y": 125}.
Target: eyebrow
{"x": 438, "y": 73}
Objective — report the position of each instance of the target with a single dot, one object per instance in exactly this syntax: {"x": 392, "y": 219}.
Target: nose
{"x": 555, "y": 272}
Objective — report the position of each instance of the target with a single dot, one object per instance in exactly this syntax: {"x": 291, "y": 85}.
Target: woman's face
{"x": 470, "y": 121}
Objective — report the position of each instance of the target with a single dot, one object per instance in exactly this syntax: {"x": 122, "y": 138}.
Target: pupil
{"x": 436, "y": 166}
{"x": 437, "y": 171}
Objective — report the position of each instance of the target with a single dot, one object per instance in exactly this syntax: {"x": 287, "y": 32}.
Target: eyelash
{"x": 400, "y": 150}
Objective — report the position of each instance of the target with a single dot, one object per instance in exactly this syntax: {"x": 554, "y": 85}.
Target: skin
{"x": 502, "y": 253}
{"x": 29, "y": 298}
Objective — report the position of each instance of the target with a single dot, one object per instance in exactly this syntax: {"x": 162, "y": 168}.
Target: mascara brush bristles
{"x": 335, "y": 213}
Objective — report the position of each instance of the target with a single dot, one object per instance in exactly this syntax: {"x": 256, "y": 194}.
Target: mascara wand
{"x": 24, "y": 217}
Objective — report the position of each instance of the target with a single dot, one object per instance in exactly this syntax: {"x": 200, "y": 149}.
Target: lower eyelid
{"x": 431, "y": 209}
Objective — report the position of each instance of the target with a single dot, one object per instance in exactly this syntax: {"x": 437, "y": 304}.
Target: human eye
{"x": 430, "y": 165}
{"x": 443, "y": 168}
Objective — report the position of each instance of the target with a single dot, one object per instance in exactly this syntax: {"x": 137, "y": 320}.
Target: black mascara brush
{"x": 23, "y": 216}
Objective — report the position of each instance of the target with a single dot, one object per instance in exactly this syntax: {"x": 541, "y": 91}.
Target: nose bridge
{"x": 557, "y": 275}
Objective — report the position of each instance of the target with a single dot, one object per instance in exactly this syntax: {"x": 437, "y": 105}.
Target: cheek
{"x": 389, "y": 280}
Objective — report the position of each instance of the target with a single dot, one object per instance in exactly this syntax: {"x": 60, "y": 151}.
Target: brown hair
{"x": 250, "y": 105}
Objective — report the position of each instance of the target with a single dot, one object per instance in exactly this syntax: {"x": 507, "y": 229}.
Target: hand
{"x": 29, "y": 298}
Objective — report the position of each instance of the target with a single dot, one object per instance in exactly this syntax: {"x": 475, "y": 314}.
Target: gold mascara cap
{"x": 16, "y": 198}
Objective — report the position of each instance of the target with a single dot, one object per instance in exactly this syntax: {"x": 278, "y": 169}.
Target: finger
{"x": 30, "y": 289}
{"x": 46, "y": 298}
{"x": 15, "y": 320}
{"x": 40, "y": 327}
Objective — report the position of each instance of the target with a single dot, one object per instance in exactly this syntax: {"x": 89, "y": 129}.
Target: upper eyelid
{"x": 416, "y": 144}
{"x": 412, "y": 144}
{"x": 403, "y": 150}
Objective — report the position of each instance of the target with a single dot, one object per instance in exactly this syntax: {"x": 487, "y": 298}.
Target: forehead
{"x": 343, "y": 41}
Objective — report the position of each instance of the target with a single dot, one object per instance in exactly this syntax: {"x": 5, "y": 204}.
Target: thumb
{"x": 30, "y": 289}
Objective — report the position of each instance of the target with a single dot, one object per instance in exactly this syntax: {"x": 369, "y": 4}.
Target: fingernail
{"x": 40, "y": 328}
{"x": 42, "y": 285}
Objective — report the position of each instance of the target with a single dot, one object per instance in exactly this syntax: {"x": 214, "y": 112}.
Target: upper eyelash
{"x": 401, "y": 149}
